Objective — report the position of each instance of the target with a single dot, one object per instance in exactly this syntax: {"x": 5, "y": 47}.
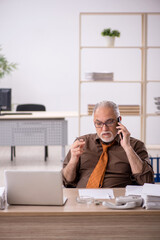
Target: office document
{"x": 133, "y": 190}
{"x": 149, "y": 192}
{"x": 97, "y": 193}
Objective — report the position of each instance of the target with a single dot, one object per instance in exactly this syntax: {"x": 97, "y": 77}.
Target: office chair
{"x": 32, "y": 108}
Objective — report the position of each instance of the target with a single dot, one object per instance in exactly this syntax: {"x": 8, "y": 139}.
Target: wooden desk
{"x": 76, "y": 221}
{"x": 34, "y": 129}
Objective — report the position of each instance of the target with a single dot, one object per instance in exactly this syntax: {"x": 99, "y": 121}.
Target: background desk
{"x": 37, "y": 128}
{"x": 78, "y": 221}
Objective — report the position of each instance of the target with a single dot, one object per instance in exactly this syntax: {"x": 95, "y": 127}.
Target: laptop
{"x": 27, "y": 187}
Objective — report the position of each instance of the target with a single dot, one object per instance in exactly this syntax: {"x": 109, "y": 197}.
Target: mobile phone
{"x": 120, "y": 133}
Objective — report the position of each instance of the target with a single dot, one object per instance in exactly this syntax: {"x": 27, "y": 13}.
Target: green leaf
{"x": 111, "y": 33}
{"x": 5, "y": 66}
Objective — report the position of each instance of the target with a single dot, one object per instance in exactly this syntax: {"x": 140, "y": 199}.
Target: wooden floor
{"x": 29, "y": 158}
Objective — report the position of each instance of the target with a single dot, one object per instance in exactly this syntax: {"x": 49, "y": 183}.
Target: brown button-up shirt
{"x": 118, "y": 170}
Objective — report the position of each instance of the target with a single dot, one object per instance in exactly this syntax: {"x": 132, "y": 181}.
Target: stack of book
{"x": 157, "y": 102}
{"x": 129, "y": 109}
{"x": 151, "y": 196}
{"x": 124, "y": 109}
{"x": 90, "y": 108}
{"x": 99, "y": 76}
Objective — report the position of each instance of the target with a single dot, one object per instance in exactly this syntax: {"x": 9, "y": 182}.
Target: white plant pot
{"x": 110, "y": 41}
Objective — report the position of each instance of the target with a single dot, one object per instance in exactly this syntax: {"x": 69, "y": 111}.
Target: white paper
{"x": 2, "y": 192}
{"x": 151, "y": 189}
{"x": 2, "y": 197}
{"x": 133, "y": 190}
{"x": 97, "y": 193}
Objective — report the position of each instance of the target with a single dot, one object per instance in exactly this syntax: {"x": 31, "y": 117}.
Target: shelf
{"x": 127, "y": 115}
{"x": 119, "y": 13}
{"x": 153, "y": 147}
{"x": 153, "y": 81}
{"x": 141, "y": 43}
{"x": 113, "y": 81}
{"x": 119, "y": 47}
{"x": 153, "y": 47}
{"x": 123, "y": 47}
{"x": 152, "y": 115}
{"x": 118, "y": 81}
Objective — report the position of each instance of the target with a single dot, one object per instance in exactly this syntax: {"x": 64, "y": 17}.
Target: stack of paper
{"x": 149, "y": 192}
{"x": 129, "y": 109}
{"x": 157, "y": 103}
{"x": 99, "y": 76}
{"x": 2, "y": 197}
{"x": 133, "y": 190}
{"x": 151, "y": 196}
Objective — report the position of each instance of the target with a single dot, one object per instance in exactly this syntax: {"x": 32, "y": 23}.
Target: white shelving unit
{"x": 141, "y": 47}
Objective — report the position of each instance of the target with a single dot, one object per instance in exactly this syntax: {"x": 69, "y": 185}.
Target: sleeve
{"x": 147, "y": 174}
{"x": 65, "y": 182}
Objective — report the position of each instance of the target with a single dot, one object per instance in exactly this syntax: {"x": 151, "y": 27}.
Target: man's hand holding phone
{"x": 124, "y": 134}
{"x": 121, "y": 134}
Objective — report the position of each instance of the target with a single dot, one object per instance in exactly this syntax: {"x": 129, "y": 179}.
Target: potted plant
{"x": 5, "y": 66}
{"x": 110, "y": 36}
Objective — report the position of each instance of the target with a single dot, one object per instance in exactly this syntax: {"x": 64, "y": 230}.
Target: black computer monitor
{"x": 5, "y": 99}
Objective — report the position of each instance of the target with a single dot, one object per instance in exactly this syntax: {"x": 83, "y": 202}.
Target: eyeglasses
{"x": 108, "y": 123}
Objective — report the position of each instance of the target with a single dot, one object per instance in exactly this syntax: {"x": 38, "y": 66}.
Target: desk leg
{"x": 12, "y": 152}
{"x": 63, "y": 153}
{"x": 45, "y": 153}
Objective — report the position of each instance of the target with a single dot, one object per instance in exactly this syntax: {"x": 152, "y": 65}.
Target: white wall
{"x": 42, "y": 36}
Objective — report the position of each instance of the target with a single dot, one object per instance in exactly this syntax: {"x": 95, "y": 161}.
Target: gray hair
{"x": 107, "y": 104}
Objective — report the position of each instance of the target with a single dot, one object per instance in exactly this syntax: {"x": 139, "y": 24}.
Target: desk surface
{"x": 73, "y": 208}
{"x": 37, "y": 115}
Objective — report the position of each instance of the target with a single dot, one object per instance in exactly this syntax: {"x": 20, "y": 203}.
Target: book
{"x": 99, "y": 76}
{"x": 124, "y": 109}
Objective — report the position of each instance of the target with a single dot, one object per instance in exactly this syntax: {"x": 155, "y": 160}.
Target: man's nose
{"x": 105, "y": 126}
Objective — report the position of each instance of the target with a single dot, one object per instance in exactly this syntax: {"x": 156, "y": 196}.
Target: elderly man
{"x": 109, "y": 158}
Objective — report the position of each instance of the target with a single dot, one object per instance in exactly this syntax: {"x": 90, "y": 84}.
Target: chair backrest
{"x": 30, "y": 107}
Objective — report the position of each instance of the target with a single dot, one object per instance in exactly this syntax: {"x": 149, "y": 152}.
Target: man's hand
{"x": 77, "y": 149}
{"x": 125, "y": 140}
{"x": 69, "y": 171}
{"x": 134, "y": 160}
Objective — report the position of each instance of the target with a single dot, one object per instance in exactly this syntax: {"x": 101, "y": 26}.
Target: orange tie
{"x": 96, "y": 178}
